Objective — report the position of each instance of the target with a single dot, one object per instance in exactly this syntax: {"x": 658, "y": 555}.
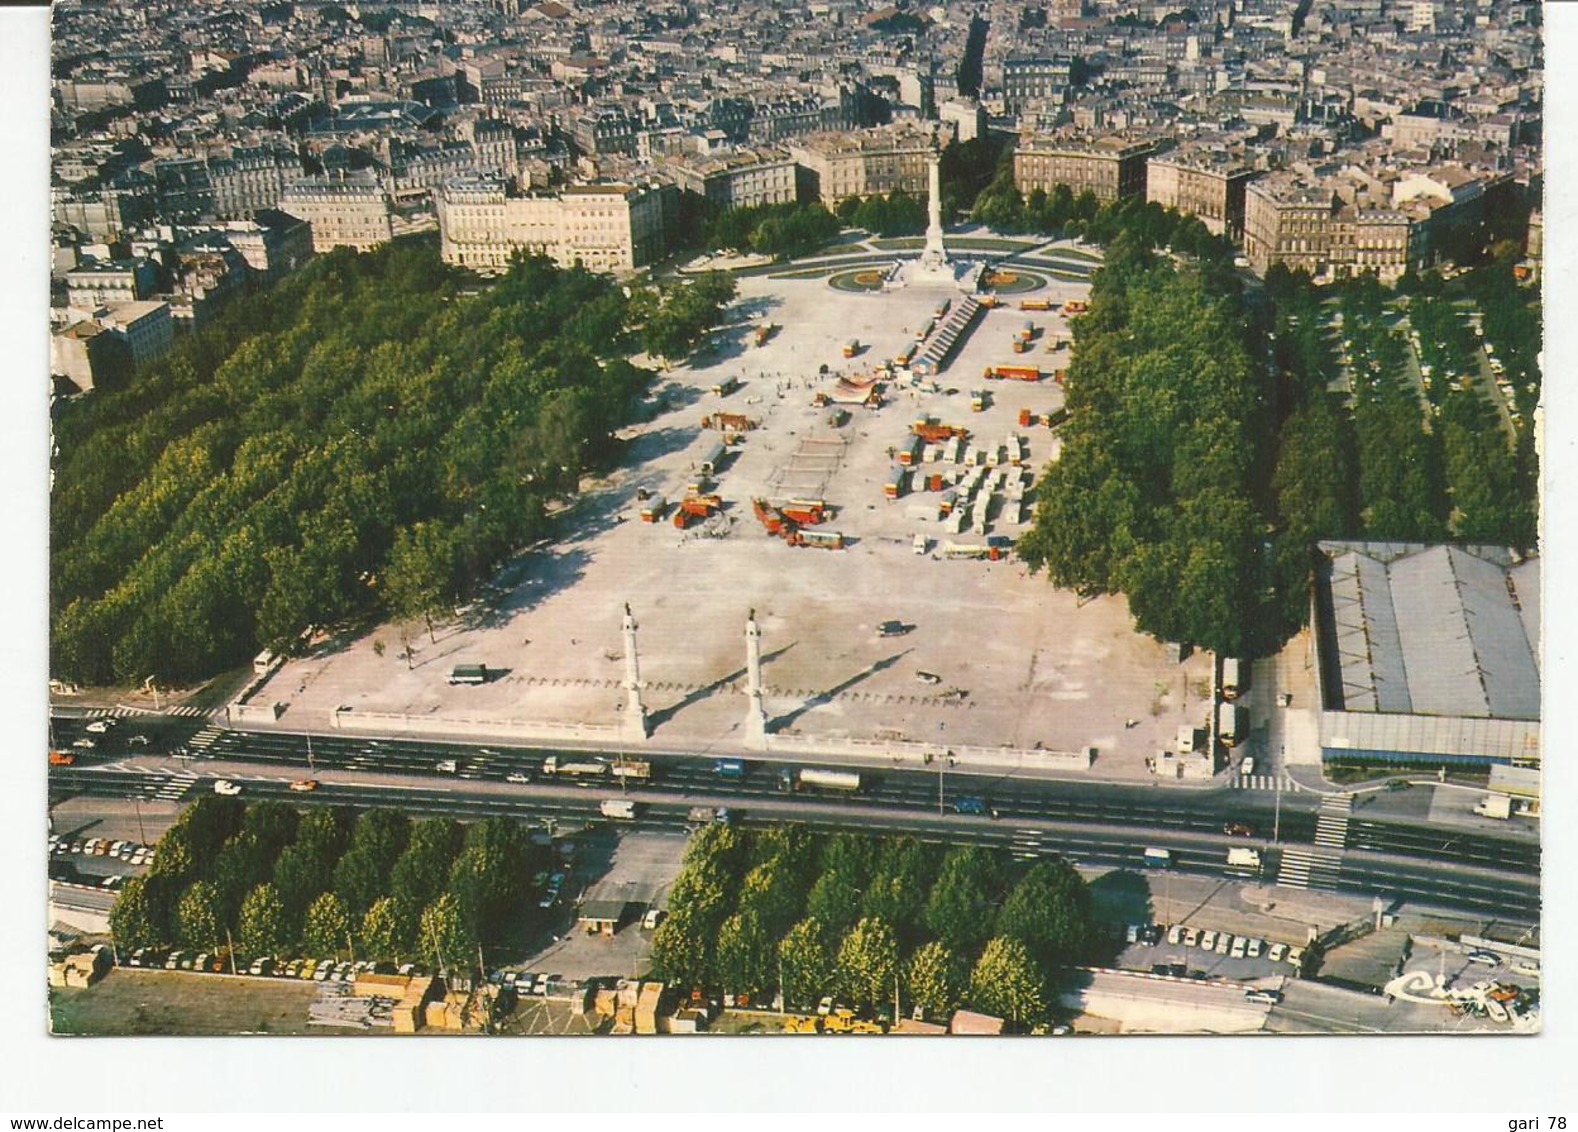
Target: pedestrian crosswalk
{"x": 182, "y": 711}
{"x": 1331, "y": 823}
{"x": 1320, "y": 865}
{"x": 1309, "y": 868}
{"x": 204, "y": 739}
{"x": 162, "y": 785}
{"x": 1262, "y": 782}
{"x": 1027, "y": 844}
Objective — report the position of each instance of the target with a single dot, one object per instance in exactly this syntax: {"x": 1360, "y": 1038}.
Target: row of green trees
{"x": 872, "y": 920}
{"x": 329, "y": 883}
{"x": 897, "y": 214}
{"x": 373, "y": 433}
{"x": 1385, "y": 469}
{"x": 783, "y": 231}
{"x": 1196, "y": 478}
{"x": 1155, "y": 495}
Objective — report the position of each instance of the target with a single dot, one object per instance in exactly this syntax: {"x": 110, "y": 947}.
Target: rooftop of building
{"x": 1438, "y": 630}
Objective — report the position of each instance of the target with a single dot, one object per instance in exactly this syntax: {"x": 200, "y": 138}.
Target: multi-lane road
{"x": 1095, "y": 824}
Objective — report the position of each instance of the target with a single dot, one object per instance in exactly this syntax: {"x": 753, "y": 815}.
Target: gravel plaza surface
{"x": 1026, "y": 664}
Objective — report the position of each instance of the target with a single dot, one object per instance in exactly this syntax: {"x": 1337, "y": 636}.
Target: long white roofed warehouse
{"x": 1427, "y": 655}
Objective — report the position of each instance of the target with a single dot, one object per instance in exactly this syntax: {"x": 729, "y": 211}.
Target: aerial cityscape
{"x": 600, "y": 518}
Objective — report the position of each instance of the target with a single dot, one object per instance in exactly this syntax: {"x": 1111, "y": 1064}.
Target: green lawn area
{"x": 128, "y": 1002}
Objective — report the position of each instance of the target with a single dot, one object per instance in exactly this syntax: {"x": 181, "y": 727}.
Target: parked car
{"x": 1277, "y": 952}
{"x": 1208, "y": 941}
{"x": 1224, "y": 943}
{"x": 893, "y": 629}
{"x": 1296, "y": 956}
{"x": 1175, "y": 934}
{"x": 1191, "y": 937}
{"x": 1240, "y": 948}
{"x": 653, "y": 918}
{"x": 1254, "y": 948}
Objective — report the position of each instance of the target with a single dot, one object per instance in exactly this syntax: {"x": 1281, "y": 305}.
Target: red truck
{"x": 1017, "y": 373}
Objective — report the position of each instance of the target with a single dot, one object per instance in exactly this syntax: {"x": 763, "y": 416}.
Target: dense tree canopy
{"x": 330, "y": 883}
{"x": 1155, "y": 493}
{"x": 906, "y": 920}
{"x": 364, "y": 435}
{"x": 784, "y": 231}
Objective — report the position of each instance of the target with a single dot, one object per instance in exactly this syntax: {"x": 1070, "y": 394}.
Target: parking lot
{"x": 634, "y": 869}
{"x": 1016, "y": 662}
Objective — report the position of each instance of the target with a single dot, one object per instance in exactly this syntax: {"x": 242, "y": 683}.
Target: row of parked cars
{"x": 527, "y": 982}
{"x": 552, "y": 888}
{"x": 317, "y": 970}
{"x": 1237, "y": 947}
{"x": 131, "y": 852}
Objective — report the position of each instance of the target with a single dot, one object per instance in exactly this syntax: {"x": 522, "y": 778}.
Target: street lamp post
{"x": 942, "y": 767}
{"x": 1276, "y": 820}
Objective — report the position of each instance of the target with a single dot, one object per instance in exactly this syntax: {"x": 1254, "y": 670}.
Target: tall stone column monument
{"x": 756, "y": 712}
{"x": 633, "y": 720}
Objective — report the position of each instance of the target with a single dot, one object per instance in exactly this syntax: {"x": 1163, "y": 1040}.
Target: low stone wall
{"x": 926, "y": 754}
{"x": 385, "y": 723}
{"x": 238, "y": 713}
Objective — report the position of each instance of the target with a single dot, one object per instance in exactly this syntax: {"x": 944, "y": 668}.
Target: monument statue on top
{"x": 934, "y": 257}
{"x": 935, "y": 267}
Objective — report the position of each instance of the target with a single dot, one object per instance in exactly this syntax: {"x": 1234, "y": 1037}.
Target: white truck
{"x": 618, "y": 809}
{"x": 1494, "y": 806}
{"x": 1244, "y": 858}
{"x": 790, "y": 780}
{"x": 552, "y": 765}
{"x": 1229, "y": 723}
{"x": 1232, "y": 678}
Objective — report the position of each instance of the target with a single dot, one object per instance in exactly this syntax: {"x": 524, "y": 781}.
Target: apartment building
{"x": 868, "y": 163}
{"x": 737, "y": 180}
{"x": 1112, "y": 168}
{"x": 251, "y": 179}
{"x": 349, "y": 210}
{"x": 1310, "y": 227}
{"x": 1035, "y": 80}
{"x": 605, "y": 227}
{"x": 98, "y": 283}
{"x": 1205, "y": 183}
